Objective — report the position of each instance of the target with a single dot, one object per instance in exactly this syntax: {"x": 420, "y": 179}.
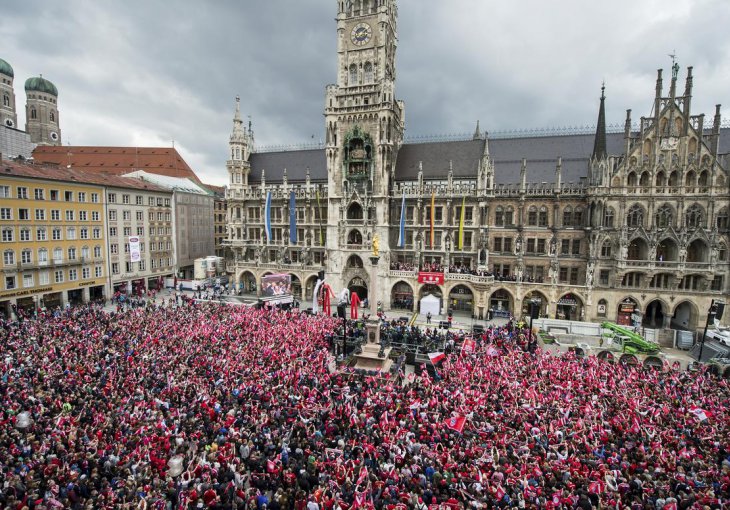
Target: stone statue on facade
{"x": 589, "y": 274}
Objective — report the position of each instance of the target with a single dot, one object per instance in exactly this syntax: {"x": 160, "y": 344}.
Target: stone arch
{"x": 570, "y": 307}
{"x": 461, "y": 298}
{"x": 247, "y": 282}
{"x": 501, "y": 301}
{"x": 667, "y": 250}
{"x": 629, "y": 360}
{"x": 698, "y": 251}
{"x": 401, "y": 296}
{"x": 653, "y": 362}
{"x": 685, "y": 316}
{"x": 296, "y": 286}
{"x": 355, "y": 211}
{"x": 654, "y": 313}
{"x": 360, "y": 285}
{"x": 354, "y": 261}
{"x": 625, "y": 309}
{"x": 537, "y": 295}
{"x": 354, "y": 238}
{"x": 606, "y": 356}
{"x": 638, "y": 249}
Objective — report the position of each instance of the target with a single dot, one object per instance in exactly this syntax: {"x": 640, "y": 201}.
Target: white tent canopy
{"x": 430, "y": 303}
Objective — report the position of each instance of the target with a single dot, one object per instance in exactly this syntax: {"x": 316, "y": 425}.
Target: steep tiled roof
{"x": 117, "y": 160}
{"x": 62, "y": 174}
{"x": 295, "y": 163}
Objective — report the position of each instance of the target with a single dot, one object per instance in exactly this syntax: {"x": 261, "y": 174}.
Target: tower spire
{"x": 477, "y": 133}
{"x": 599, "y": 145}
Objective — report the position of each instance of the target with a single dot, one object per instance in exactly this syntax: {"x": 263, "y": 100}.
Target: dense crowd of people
{"x": 220, "y": 407}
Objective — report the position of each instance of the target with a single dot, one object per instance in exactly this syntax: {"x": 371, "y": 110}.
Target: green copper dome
{"x": 40, "y": 84}
{"x": 6, "y": 69}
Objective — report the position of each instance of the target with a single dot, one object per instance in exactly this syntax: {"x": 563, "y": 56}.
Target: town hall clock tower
{"x": 364, "y": 130}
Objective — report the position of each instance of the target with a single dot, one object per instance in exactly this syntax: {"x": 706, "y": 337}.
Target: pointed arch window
{"x": 368, "y": 70}
{"x": 532, "y": 216}
{"x": 543, "y": 217}
{"x": 499, "y": 216}
{"x": 578, "y": 217}
{"x": 606, "y": 249}
{"x": 353, "y": 75}
{"x": 52, "y": 116}
{"x": 568, "y": 216}
{"x": 722, "y": 219}
{"x": 635, "y": 216}
{"x": 664, "y": 216}
{"x": 33, "y": 113}
{"x": 694, "y": 217}
{"x": 608, "y": 215}
{"x": 661, "y": 179}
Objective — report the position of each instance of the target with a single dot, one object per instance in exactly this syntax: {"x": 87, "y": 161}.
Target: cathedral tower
{"x": 8, "y": 114}
{"x": 364, "y": 128}
{"x": 41, "y": 111}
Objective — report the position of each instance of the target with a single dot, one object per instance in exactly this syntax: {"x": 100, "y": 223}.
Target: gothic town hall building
{"x": 625, "y": 226}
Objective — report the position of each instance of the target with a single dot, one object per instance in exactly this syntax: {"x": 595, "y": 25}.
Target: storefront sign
{"x": 567, "y": 302}
{"x": 83, "y": 284}
{"x": 627, "y": 307}
{"x": 26, "y": 292}
{"x": 134, "y": 253}
{"x": 431, "y": 278}
{"x": 602, "y": 309}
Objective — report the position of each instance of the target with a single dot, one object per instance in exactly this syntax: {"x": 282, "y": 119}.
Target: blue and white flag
{"x": 267, "y": 216}
{"x": 402, "y": 230}
{"x": 293, "y": 218}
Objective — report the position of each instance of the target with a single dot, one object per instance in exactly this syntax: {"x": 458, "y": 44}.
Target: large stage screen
{"x": 276, "y": 289}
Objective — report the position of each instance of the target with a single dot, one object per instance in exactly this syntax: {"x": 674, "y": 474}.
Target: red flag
{"x": 362, "y": 477}
{"x": 469, "y": 345}
{"x": 270, "y": 466}
{"x": 699, "y": 413}
{"x": 492, "y": 351}
{"x": 436, "y": 357}
{"x": 456, "y": 423}
{"x": 359, "y": 499}
{"x": 416, "y": 404}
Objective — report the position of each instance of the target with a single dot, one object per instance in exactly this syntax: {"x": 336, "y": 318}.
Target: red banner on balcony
{"x": 431, "y": 278}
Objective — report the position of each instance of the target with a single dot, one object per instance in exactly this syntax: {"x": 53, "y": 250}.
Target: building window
{"x": 68, "y": 196}
{"x": 543, "y": 217}
{"x": 9, "y": 258}
{"x": 115, "y": 267}
{"x": 22, "y": 192}
{"x": 27, "y": 280}
{"x": 112, "y": 215}
{"x": 6, "y": 213}
{"x": 85, "y": 273}
{"x": 139, "y": 200}
{"x": 71, "y": 233}
{"x": 499, "y": 216}
{"x": 58, "y": 276}
{"x": 8, "y": 236}
{"x": 98, "y": 271}
{"x": 39, "y": 194}
{"x": 55, "y": 215}
{"x": 126, "y": 215}
{"x": 114, "y": 248}
{"x": 694, "y": 216}
{"x": 608, "y": 217}
{"x": 606, "y": 249}
{"x": 140, "y": 231}
{"x": 111, "y": 198}
{"x": 95, "y": 216}
{"x": 663, "y": 217}
{"x": 72, "y": 253}
{"x": 54, "y": 194}
{"x": 576, "y": 247}
{"x": 40, "y": 214}
{"x": 96, "y": 232}
{"x": 72, "y": 275}
{"x": 42, "y": 256}
{"x": 532, "y": 216}
{"x": 70, "y": 215}
{"x": 25, "y": 234}
{"x": 9, "y": 282}
{"x": 94, "y": 198}
{"x": 718, "y": 283}
{"x": 56, "y": 234}
{"x": 97, "y": 252}
{"x": 82, "y": 196}
{"x": 26, "y": 256}
{"x": 565, "y": 247}
{"x": 112, "y": 231}
{"x": 141, "y": 265}
{"x": 139, "y": 215}
{"x": 568, "y": 216}
{"x": 127, "y": 267}
{"x": 43, "y": 278}
{"x": 57, "y": 255}
{"x": 635, "y": 216}
{"x": 127, "y": 231}
{"x": 125, "y": 199}
{"x": 41, "y": 234}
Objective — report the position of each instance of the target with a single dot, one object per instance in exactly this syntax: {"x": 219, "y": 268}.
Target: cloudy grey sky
{"x": 146, "y": 72}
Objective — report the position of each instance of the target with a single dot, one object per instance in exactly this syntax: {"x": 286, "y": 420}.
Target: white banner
{"x": 134, "y": 254}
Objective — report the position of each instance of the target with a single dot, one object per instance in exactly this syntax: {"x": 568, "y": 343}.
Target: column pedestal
{"x": 370, "y": 357}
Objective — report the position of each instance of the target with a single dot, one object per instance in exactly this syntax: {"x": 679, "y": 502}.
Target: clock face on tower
{"x": 361, "y": 34}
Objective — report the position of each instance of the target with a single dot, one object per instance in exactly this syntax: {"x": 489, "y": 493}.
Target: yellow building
{"x": 54, "y": 248}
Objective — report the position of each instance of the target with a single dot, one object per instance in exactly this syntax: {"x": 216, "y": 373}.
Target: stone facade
{"x": 635, "y": 230}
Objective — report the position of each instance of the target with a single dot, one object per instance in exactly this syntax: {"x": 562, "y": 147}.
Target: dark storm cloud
{"x": 149, "y": 72}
